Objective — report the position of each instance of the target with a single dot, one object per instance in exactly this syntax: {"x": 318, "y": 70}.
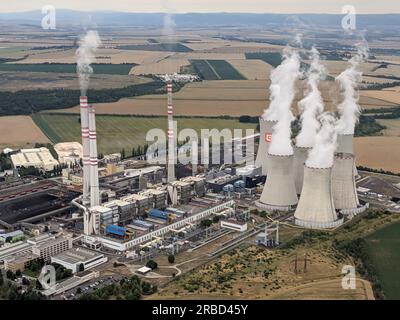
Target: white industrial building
{"x": 235, "y": 225}
{"x": 39, "y": 158}
{"x": 79, "y": 259}
{"x": 69, "y": 152}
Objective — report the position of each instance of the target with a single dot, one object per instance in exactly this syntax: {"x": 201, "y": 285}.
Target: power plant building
{"x": 39, "y": 158}
{"x": 300, "y": 157}
{"x": 263, "y": 147}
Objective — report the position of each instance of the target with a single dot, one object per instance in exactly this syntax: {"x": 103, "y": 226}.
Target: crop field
{"x": 216, "y": 70}
{"x": 19, "y": 132}
{"x": 122, "y": 69}
{"x": 272, "y": 58}
{"x": 392, "y": 96}
{"x": 168, "y": 65}
{"x": 384, "y": 251}
{"x": 171, "y": 47}
{"x": 252, "y": 69}
{"x": 373, "y": 152}
{"x": 392, "y": 127}
{"x": 117, "y": 132}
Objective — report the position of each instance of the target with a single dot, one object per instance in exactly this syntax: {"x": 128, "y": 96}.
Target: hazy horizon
{"x": 209, "y": 6}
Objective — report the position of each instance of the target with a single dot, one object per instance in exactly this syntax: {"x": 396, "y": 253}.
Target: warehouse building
{"x": 39, "y": 158}
{"x": 79, "y": 259}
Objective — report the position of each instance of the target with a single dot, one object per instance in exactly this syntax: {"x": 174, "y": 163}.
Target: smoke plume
{"x": 349, "y": 79}
{"x": 312, "y": 104}
{"x": 85, "y": 57}
{"x": 283, "y": 80}
{"x": 282, "y": 88}
{"x": 322, "y": 153}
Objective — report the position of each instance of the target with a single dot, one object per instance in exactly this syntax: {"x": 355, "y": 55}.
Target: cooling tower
{"x": 345, "y": 145}
{"x": 94, "y": 172}
{"x": 86, "y": 148}
{"x": 316, "y": 209}
{"x": 265, "y": 139}
{"x": 299, "y": 159}
{"x": 171, "y": 146}
{"x": 279, "y": 191}
{"x": 343, "y": 183}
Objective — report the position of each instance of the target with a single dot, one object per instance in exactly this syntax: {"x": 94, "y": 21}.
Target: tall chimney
{"x": 86, "y": 148}
{"x": 94, "y": 173}
{"x": 171, "y": 144}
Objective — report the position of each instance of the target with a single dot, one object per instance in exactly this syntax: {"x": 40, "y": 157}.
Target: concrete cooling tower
{"x": 316, "y": 209}
{"x": 343, "y": 184}
{"x": 265, "y": 139}
{"x": 300, "y": 157}
{"x": 279, "y": 191}
{"x": 345, "y": 145}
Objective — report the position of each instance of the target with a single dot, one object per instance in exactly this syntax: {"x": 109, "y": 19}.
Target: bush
{"x": 171, "y": 258}
{"x": 151, "y": 264}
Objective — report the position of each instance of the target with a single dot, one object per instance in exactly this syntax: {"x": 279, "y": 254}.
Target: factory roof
{"x": 138, "y": 172}
{"x": 77, "y": 255}
{"x": 39, "y": 157}
{"x": 116, "y": 202}
{"x": 68, "y": 151}
{"x": 100, "y": 209}
{"x": 15, "y": 233}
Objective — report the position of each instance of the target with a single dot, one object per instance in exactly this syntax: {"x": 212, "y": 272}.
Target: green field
{"x": 117, "y": 132}
{"x": 384, "y": 249}
{"x": 216, "y": 70}
{"x": 99, "y": 68}
{"x": 272, "y": 58}
{"x": 173, "y": 47}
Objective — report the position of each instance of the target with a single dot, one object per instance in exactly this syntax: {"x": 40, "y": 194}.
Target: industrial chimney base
{"x": 318, "y": 225}
{"x": 272, "y": 208}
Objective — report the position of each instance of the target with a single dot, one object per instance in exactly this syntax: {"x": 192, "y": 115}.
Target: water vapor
{"x": 312, "y": 105}
{"x": 85, "y": 55}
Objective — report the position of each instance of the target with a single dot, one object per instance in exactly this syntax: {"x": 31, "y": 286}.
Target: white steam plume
{"x": 349, "y": 80}
{"x": 85, "y": 57}
{"x": 282, "y": 87}
{"x": 169, "y": 23}
{"x": 322, "y": 153}
{"x": 312, "y": 104}
{"x": 282, "y": 92}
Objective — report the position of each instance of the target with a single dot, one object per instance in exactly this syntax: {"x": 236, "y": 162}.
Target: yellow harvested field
{"x": 19, "y": 131}
{"x": 392, "y": 127}
{"x": 210, "y": 55}
{"x": 392, "y": 96}
{"x": 168, "y": 65}
{"x": 252, "y": 69}
{"x": 378, "y": 152}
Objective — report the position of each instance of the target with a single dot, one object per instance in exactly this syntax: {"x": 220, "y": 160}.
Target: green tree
{"x": 171, "y": 258}
{"x": 151, "y": 264}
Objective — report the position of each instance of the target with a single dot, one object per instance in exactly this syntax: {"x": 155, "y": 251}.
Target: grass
{"x": 100, "y": 68}
{"x": 216, "y": 70}
{"x": 385, "y": 254}
{"x": 173, "y": 47}
{"x": 123, "y": 132}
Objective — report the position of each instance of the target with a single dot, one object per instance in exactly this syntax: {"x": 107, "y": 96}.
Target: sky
{"x": 181, "y": 6}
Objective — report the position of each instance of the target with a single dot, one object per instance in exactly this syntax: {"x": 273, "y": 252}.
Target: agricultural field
{"x": 385, "y": 254}
{"x": 390, "y": 95}
{"x": 167, "y": 65}
{"x": 117, "y": 132}
{"x": 372, "y": 152}
{"x": 19, "y": 132}
{"x": 169, "y": 47}
{"x": 216, "y": 70}
{"x": 102, "y": 68}
{"x": 272, "y": 58}
{"x": 392, "y": 127}
{"x": 252, "y": 69}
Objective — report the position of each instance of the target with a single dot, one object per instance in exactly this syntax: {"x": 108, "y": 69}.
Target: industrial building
{"x": 263, "y": 147}
{"x": 39, "y": 158}
{"x": 69, "y": 152}
{"x": 51, "y": 248}
{"x": 79, "y": 259}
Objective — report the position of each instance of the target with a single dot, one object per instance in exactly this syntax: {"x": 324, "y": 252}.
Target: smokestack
{"x": 299, "y": 159}
{"x": 316, "y": 209}
{"x": 86, "y": 148}
{"x": 263, "y": 146}
{"x": 343, "y": 183}
{"x": 171, "y": 144}
{"x": 94, "y": 173}
{"x": 279, "y": 191}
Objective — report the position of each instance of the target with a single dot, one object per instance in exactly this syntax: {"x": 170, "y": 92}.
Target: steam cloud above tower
{"x": 85, "y": 54}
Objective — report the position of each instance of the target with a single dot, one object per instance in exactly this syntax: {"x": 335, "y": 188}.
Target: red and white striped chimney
{"x": 171, "y": 145}
{"x": 94, "y": 173}
{"x": 86, "y": 148}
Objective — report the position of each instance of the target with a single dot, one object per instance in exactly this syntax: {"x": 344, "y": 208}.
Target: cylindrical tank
{"x": 316, "y": 209}
{"x": 279, "y": 191}
{"x": 265, "y": 139}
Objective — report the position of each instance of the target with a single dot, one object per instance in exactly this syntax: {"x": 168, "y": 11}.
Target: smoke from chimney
{"x": 85, "y": 57}
{"x": 322, "y": 153}
{"x": 312, "y": 104}
{"x": 349, "y": 80}
{"x": 283, "y": 80}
